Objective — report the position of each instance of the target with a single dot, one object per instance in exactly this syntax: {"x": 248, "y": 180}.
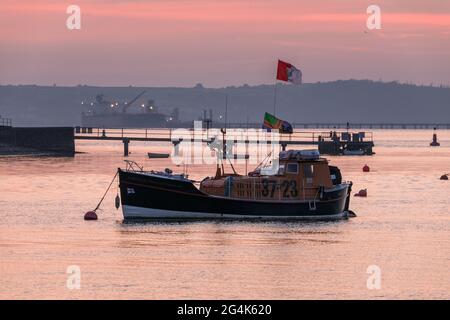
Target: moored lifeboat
{"x": 299, "y": 184}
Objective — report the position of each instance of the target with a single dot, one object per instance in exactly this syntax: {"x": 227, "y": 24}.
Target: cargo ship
{"x": 113, "y": 114}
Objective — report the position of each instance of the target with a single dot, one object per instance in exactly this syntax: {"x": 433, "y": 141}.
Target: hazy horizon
{"x": 179, "y": 43}
{"x": 241, "y": 85}
{"x": 340, "y": 101}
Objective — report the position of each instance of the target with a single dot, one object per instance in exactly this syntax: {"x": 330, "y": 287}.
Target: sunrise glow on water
{"x": 402, "y": 227}
{"x": 235, "y": 157}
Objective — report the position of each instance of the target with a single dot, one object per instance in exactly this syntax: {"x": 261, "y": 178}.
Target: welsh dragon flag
{"x": 287, "y": 72}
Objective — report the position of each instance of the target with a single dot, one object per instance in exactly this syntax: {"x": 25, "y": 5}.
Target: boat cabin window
{"x": 308, "y": 170}
{"x": 308, "y": 173}
{"x": 281, "y": 169}
{"x": 292, "y": 168}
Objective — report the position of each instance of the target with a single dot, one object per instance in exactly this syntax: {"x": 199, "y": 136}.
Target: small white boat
{"x": 353, "y": 152}
{"x": 156, "y": 155}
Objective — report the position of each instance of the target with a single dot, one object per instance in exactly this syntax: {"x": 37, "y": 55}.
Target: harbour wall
{"x": 28, "y": 140}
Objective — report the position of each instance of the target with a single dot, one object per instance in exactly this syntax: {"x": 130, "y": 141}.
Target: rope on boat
{"x": 109, "y": 187}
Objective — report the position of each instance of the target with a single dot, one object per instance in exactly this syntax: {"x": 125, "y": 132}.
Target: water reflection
{"x": 403, "y": 226}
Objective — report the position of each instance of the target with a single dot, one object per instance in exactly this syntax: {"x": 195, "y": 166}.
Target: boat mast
{"x": 224, "y": 145}
{"x": 224, "y": 132}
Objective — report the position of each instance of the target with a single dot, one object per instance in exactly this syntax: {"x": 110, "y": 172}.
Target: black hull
{"x": 150, "y": 196}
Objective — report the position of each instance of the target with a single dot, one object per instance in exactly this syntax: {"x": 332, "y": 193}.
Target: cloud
{"x": 125, "y": 35}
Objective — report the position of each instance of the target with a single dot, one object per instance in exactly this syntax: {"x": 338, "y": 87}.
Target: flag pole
{"x": 275, "y": 98}
{"x": 275, "y": 90}
{"x": 275, "y": 104}
{"x": 274, "y": 113}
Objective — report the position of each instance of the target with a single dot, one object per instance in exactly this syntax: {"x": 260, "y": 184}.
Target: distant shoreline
{"x": 337, "y": 102}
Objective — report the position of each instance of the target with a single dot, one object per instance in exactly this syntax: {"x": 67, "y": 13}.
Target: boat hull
{"x": 152, "y": 197}
{"x": 132, "y": 212}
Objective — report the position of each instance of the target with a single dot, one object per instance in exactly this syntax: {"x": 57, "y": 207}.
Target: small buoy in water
{"x": 90, "y": 215}
{"x": 361, "y": 193}
{"x": 117, "y": 203}
{"x": 366, "y": 168}
{"x": 434, "y": 143}
{"x": 444, "y": 177}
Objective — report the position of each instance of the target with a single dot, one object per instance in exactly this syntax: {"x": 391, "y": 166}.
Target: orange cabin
{"x": 300, "y": 176}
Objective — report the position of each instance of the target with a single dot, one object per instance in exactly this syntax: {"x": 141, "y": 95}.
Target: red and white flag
{"x": 287, "y": 72}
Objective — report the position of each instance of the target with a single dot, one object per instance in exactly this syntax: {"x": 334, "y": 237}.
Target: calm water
{"x": 403, "y": 226}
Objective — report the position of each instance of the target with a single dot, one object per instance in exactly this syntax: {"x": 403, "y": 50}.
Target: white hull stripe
{"x": 130, "y": 212}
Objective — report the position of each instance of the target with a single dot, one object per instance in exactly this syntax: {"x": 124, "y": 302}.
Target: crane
{"x": 125, "y": 108}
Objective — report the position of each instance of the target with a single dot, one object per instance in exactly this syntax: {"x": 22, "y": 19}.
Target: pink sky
{"x": 219, "y": 43}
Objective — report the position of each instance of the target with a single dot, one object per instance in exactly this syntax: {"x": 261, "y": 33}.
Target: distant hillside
{"x": 339, "y": 101}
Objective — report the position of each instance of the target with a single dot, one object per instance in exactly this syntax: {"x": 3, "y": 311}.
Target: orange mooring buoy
{"x": 366, "y": 168}
{"x": 90, "y": 215}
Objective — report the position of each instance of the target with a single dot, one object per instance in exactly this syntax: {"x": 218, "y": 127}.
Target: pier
{"x": 51, "y": 141}
{"x": 329, "y": 142}
{"x": 351, "y": 126}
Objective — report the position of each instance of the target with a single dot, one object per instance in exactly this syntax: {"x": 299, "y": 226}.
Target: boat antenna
{"x": 226, "y": 121}
{"x": 224, "y": 148}
{"x": 224, "y": 132}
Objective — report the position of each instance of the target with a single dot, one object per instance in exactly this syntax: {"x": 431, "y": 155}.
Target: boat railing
{"x": 271, "y": 189}
{"x": 133, "y": 166}
{"x": 144, "y": 133}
